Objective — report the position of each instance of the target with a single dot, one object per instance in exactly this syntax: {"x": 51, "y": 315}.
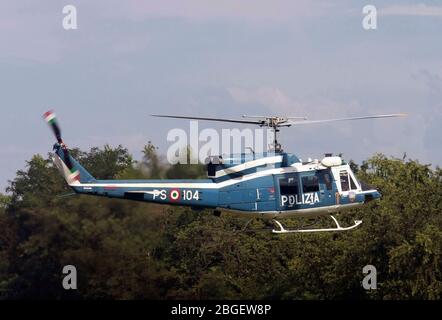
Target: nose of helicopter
{"x": 372, "y": 195}
{"x": 377, "y": 194}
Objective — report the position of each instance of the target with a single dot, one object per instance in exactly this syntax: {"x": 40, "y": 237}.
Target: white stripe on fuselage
{"x": 200, "y": 185}
{"x": 248, "y": 165}
{"x": 190, "y": 185}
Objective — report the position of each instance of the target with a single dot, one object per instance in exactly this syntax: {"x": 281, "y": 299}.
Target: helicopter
{"x": 271, "y": 185}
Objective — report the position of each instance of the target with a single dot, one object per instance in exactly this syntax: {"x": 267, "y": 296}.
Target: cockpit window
{"x": 347, "y": 181}
{"x": 310, "y": 184}
{"x": 344, "y": 180}
{"x": 353, "y": 184}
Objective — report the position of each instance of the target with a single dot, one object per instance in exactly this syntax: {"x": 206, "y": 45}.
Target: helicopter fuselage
{"x": 269, "y": 185}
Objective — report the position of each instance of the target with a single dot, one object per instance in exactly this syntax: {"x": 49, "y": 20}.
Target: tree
{"x": 151, "y": 162}
{"x": 129, "y": 250}
{"x": 105, "y": 163}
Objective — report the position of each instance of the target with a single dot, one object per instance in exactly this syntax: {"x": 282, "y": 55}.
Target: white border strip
{"x": 248, "y": 165}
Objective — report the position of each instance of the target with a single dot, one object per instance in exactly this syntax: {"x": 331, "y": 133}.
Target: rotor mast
{"x": 276, "y": 145}
{"x": 274, "y": 123}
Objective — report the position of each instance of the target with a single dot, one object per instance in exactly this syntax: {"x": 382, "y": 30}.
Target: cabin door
{"x": 288, "y": 191}
{"x": 326, "y": 188}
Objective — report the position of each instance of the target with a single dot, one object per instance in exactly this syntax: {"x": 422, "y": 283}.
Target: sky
{"x": 129, "y": 59}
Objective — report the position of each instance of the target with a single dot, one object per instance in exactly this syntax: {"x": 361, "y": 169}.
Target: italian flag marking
{"x": 75, "y": 175}
{"x": 174, "y": 194}
{"x": 49, "y": 117}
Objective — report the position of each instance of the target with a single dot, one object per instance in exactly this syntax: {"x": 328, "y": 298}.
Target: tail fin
{"x": 63, "y": 161}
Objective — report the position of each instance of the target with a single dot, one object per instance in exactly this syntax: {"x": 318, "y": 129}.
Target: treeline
{"x": 132, "y": 250}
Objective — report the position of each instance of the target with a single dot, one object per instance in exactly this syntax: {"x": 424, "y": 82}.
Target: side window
{"x": 344, "y": 180}
{"x": 288, "y": 186}
{"x": 310, "y": 184}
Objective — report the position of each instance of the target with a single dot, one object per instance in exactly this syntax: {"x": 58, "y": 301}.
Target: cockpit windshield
{"x": 347, "y": 181}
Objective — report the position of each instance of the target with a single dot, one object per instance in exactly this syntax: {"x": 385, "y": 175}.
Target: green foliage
{"x": 151, "y": 162}
{"x": 191, "y": 169}
{"x": 186, "y": 171}
{"x": 131, "y": 250}
{"x": 106, "y": 163}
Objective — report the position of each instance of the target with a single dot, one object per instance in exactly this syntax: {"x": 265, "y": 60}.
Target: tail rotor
{"x": 51, "y": 119}
{"x": 61, "y": 148}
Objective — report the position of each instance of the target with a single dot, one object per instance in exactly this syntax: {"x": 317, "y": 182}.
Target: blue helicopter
{"x": 272, "y": 184}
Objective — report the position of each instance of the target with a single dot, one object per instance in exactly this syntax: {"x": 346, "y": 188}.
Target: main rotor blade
{"x": 295, "y": 123}
{"x": 254, "y": 116}
{"x": 272, "y": 117}
{"x": 259, "y": 122}
{"x": 297, "y": 118}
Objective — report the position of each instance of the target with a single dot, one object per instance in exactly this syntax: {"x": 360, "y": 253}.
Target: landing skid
{"x": 338, "y": 227}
